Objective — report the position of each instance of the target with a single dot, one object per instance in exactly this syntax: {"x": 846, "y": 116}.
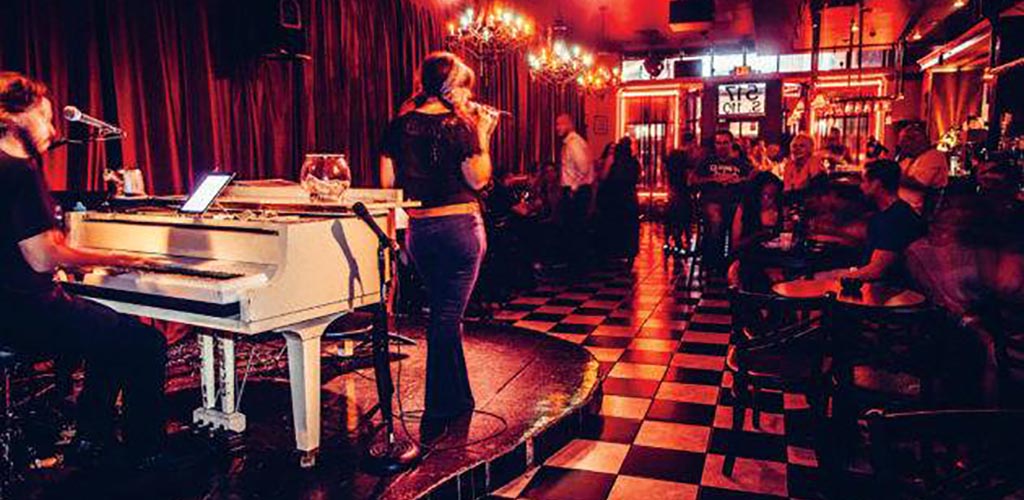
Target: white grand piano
{"x": 264, "y": 260}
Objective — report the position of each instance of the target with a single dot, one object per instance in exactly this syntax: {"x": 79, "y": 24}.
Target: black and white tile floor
{"x": 665, "y": 423}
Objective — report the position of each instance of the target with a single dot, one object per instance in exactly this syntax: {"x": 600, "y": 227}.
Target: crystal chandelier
{"x": 557, "y": 62}
{"x": 599, "y": 80}
{"x": 490, "y": 32}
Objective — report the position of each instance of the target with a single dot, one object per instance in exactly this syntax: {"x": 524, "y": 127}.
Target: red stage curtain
{"x": 528, "y": 136}
{"x": 152, "y": 66}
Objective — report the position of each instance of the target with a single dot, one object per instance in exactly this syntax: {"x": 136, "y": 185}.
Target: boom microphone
{"x": 73, "y": 114}
{"x": 364, "y": 214}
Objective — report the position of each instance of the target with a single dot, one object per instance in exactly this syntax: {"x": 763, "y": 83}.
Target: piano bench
{"x": 354, "y": 327}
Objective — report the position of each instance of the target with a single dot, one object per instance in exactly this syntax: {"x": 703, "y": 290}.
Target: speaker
{"x": 687, "y": 68}
{"x": 247, "y": 30}
{"x": 691, "y": 15}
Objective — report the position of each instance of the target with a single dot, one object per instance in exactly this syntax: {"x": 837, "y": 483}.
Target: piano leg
{"x": 227, "y": 374}
{"x": 304, "y": 376}
{"x": 207, "y": 370}
{"x": 218, "y": 358}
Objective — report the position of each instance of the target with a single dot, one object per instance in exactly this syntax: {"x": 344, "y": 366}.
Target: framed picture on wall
{"x": 600, "y": 124}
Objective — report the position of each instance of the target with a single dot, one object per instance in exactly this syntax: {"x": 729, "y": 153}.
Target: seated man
{"x": 924, "y": 168}
{"x": 892, "y": 229}
{"x": 39, "y": 317}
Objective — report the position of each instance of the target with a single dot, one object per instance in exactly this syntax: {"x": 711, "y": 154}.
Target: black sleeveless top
{"x": 428, "y": 152}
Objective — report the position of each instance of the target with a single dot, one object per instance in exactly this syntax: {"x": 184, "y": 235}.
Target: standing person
{"x": 720, "y": 177}
{"x": 438, "y": 151}
{"x": 619, "y": 207}
{"x": 679, "y": 165}
{"x": 923, "y": 168}
{"x": 39, "y": 317}
{"x": 802, "y": 164}
{"x": 578, "y": 186}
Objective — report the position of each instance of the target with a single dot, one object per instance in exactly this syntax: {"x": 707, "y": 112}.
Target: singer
{"x": 120, "y": 352}
{"x": 437, "y": 150}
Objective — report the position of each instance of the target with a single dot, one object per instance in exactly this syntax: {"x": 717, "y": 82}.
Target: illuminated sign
{"x": 741, "y": 99}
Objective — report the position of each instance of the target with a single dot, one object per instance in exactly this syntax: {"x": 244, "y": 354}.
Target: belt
{"x": 468, "y": 208}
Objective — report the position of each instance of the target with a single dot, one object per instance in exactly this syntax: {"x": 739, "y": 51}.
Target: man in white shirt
{"x": 577, "y": 165}
{"x": 924, "y": 169}
{"x": 577, "y": 185}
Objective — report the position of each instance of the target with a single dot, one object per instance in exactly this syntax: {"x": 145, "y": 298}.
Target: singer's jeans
{"x": 447, "y": 252}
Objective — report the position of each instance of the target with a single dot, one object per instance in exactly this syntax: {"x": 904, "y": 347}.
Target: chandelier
{"x": 489, "y": 33}
{"x": 599, "y": 80}
{"x": 557, "y": 62}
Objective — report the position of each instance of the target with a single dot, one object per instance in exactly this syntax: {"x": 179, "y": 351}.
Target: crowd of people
{"x": 885, "y": 217}
{"x": 566, "y": 216}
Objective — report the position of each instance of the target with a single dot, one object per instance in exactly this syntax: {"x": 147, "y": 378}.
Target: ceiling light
{"x": 958, "y": 4}
{"x": 489, "y": 33}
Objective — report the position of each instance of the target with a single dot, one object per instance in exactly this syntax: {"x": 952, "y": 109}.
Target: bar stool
{"x": 8, "y": 363}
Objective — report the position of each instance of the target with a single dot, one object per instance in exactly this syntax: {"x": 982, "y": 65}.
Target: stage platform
{"x": 532, "y": 391}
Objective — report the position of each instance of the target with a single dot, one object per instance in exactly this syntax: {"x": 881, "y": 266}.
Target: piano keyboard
{"x": 191, "y": 272}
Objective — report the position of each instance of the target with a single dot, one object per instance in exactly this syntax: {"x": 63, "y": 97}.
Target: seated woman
{"x": 758, "y": 220}
{"x": 802, "y": 165}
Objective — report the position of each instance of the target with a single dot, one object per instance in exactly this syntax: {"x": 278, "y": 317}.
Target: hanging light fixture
{"x": 489, "y": 32}
{"x": 599, "y": 80}
{"x": 558, "y": 62}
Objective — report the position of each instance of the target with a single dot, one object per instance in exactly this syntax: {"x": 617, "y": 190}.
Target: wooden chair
{"x": 946, "y": 454}
{"x": 777, "y": 349}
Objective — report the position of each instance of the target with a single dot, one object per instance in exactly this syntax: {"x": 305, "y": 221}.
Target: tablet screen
{"x": 206, "y": 192}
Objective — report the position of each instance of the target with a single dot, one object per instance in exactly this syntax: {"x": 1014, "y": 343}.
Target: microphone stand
{"x": 393, "y": 454}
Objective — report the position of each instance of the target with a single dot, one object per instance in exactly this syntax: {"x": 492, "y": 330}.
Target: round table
{"x": 876, "y": 296}
{"x": 826, "y": 239}
{"x": 806, "y": 289}
{"x": 871, "y": 295}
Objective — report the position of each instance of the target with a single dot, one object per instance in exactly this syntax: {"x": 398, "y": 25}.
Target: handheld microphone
{"x": 364, "y": 214}
{"x": 489, "y": 109}
{"x": 73, "y": 114}
{"x": 58, "y": 143}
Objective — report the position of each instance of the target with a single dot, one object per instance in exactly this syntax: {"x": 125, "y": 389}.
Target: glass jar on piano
{"x": 325, "y": 177}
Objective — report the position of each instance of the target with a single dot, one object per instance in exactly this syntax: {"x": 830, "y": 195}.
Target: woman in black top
{"x": 39, "y": 317}
{"x": 620, "y": 210}
{"x": 758, "y": 219}
{"x": 437, "y": 150}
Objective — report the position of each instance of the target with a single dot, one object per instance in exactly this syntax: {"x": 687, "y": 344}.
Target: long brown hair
{"x": 440, "y": 76}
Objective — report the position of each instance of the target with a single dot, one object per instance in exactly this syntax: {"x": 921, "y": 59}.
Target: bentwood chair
{"x": 881, "y": 358}
{"x": 946, "y": 454}
{"x": 774, "y": 349}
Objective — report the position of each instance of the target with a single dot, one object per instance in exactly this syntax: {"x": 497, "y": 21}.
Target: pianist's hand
{"x": 128, "y": 261}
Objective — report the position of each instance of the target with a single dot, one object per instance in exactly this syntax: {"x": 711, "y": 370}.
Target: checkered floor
{"x": 665, "y": 421}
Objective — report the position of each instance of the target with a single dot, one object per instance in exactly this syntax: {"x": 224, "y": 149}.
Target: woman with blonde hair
{"x": 438, "y": 151}
{"x": 802, "y": 164}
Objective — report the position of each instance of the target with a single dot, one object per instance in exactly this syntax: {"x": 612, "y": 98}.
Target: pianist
{"x": 38, "y": 317}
